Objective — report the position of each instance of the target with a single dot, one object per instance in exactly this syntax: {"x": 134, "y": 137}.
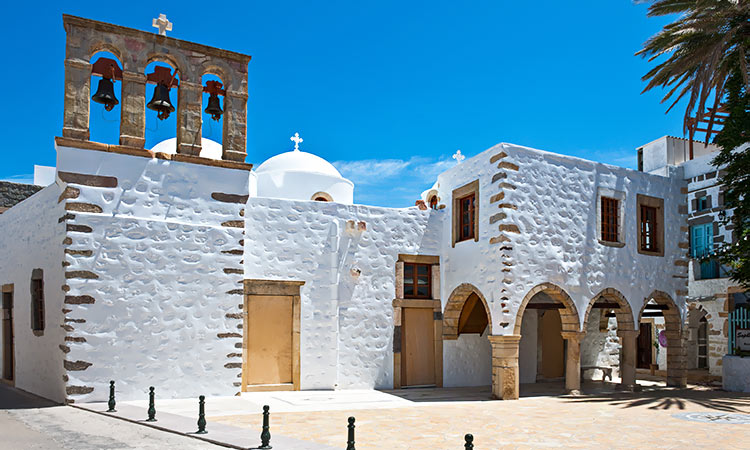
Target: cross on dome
{"x": 296, "y": 139}
{"x": 458, "y": 156}
{"x": 162, "y": 24}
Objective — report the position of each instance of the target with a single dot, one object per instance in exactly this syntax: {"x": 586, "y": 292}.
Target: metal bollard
{"x": 469, "y": 445}
{"x": 111, "y": 402}
{"x": 151, "y": 406}
{"x": 350, "y": 435}
{"x": 201, "y": 415}
{"x": 265, "y": 435}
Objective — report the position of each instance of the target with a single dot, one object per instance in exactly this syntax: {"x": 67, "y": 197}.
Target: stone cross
{"x": 458, "y": 156}
{"x": 162, "y": 24}
{"x": 296, "y": 139}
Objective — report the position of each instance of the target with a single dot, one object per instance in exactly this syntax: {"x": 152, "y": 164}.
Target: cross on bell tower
{"x": 162, "y": 24}
{"x": 297, "y": 140}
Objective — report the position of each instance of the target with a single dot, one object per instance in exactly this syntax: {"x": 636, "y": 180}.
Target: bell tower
{"x": 135, "y": 49}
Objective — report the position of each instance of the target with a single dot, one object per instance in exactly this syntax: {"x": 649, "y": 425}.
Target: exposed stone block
{"x": 83, "y": 207}
{"x": 229, "y": 335}
{"x": 75, "y": 339}
{"x": 67, "y": 216}
{"x": 233, "y": 365}
{"x": 78, "y": 229}
{"x": 233, "y": 252}
{"x": 85, "y": 274}
{"x": 499, "y": 176}
{"x": 497, "y": 217}
{"x": 507, "y": 206}
{"x": 79, "y": 252}
{"x": 497, "y": 197}
{"x": 510, "y": 228}
{"x": 78, "y": 390}
{"x": 234, "y": 315}
{"x": 69, "y": 192}
{"x": 233, "y": 224}
{"x": 76, "y": 365}
{"x": 507, "y": 165}
{"x": 497, "y": 157}
{"x": 79, "y": 299}
{"x": 88, "y": 180}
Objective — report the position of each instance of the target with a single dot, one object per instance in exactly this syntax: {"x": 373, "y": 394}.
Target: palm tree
{"x": 703, "y": 45}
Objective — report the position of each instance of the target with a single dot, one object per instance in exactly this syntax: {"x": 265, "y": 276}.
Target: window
{"x": 434, "y": 202}
{"x": 650, "y": 212}
{"x": 321, "y": 196}
{"x": 610, "y": 211}
{"x": 702, "y": 203}
{"x": 701, "y": 245}
{"x": 37, "y": 300}
{"x": 417, "y": 280}
{"x": 465, "y": 213}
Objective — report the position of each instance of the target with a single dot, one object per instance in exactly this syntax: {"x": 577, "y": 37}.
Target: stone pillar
{"x": 628, "y": 341}
{"x": 573, "y": 363}
{"x": 676, "y": 358}
{"x": 505, "y": 366}
{"x": 77, "y": 99}
{"x": 235, "y": 126}
{"x": 189, "y": 118}
{"x": 133, "y": 109}
{"x": 399, "y": 279}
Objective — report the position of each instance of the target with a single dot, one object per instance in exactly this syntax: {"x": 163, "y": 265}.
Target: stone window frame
{"x": 459, "y": 194}
{"x": 658, "y": 204}
{"x": 434, "y": 302}
{"x": 37, "y": 304}
{"x": 620, "y": 197}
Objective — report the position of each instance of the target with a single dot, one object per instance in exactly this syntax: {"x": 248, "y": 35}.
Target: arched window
{"x": 162, "y": 96}
{"x": 37, "y": 301}
{"x": 106, "y": 93}
{"x": 212, "y": 114}
{"x": 434, "y": 202}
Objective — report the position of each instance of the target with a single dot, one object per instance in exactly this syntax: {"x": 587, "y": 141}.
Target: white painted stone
{"x": 736, "y": 373}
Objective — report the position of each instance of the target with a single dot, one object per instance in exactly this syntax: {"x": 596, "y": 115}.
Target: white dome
{"x": 209, "y": 149}
{"x": 298, "y": 161}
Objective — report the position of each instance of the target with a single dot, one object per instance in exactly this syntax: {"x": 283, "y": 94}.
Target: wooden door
{"x": 269, "y": 339}
{"x": 553, "y": 345}
{"x": 418, "y": 347}
{"x": 8, "y": 346}
{"x": 645, "y": 345}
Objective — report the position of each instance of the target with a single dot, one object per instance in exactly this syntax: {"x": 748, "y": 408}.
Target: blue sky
{"x": 386, "y": 90}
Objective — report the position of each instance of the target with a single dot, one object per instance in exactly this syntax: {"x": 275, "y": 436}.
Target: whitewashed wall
{"x": 467, "y": 361}
{"x": 346, "y": 338}
{"x": 162, "y": 291}
{"x": 556, "y": 214}
{"x": 31, "y": 238}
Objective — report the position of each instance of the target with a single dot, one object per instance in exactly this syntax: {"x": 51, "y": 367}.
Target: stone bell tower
{"x": 135, "y": 49}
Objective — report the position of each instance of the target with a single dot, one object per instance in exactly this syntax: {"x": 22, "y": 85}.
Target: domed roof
{"x": 209, "y": 149}
{"x": 298, "y": 161}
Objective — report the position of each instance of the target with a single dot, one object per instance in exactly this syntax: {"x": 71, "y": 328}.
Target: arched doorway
{"x": 550, "y": 338}
{"x": 660, "y": 313}
{"x": 609, "y": 346}
{"x": 467, "y": 325}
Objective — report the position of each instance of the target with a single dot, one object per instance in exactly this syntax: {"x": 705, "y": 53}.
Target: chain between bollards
{"x": 151, "y": 406}
{"x": 469, "y": 439}
{"x": 111, "y": 402}
{"x": 350, "y": 435}
{"x": 201, "y": 415}
{"x": 265, "y": 435}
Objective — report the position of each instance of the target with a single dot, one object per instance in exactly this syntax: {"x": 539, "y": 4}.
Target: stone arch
{"x": 676, "y": 348}
{"x": 173, "y": 60}
{"x": 672, "y": 316}
{"x": 102, "y": 46}
{"x": 624, "y": 315}
{"x": 455, "y": 306}
{"x": 568, "y": 315}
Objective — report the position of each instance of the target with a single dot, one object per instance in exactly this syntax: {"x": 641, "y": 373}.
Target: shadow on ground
{"x": 12, "y": 398}
{"x": 671, "y": 398}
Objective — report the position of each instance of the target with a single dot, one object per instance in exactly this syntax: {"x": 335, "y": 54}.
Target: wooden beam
{"x": 545, "y": 306}
{"x": 656, "y": 307}
{"x": 606, "y": 305}
{"x": 652, "y": 314}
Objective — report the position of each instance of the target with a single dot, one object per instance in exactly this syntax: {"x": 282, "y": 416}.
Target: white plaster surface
{"x": 31, "y": 238}
{"x": 600, "y": 348}
{"x": 528, "y": 347}
{"x": 467, "y": 361}
{"x": 736, "y": 373}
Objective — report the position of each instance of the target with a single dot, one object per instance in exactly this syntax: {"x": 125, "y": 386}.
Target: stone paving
{"x": 439, "y": 418}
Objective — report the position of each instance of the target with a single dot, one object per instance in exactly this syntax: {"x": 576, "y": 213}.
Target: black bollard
{"x": 151, "y": 406}
{"x": 201, "y": 415}
{"x": 350, "y": 435}
{"x": 469, "y": 445}
{"x": 111, "y": 402}
{"x": 265, "y": 435}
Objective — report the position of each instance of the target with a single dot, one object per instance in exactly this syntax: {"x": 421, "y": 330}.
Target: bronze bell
{"x": 160, "y": 101}
{"x": 105, "y": 94}
{"x": 214, "y": 107}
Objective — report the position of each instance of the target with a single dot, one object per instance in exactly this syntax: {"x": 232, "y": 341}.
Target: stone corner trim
{"x": 79, "y": 300}
{"x": 88, "y": 180}
{"x": 229, "y": 198}
{"x": 234, "y": 224}
{"x": 85, "y": 274}
{"x": 83, "y": 207}
{"x": 78, "y": 390}
{"x": 497, "y": 157}
{"x": 76, "y": 365}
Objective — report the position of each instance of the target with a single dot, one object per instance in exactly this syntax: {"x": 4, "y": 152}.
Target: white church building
{"x": 186, "y": 268}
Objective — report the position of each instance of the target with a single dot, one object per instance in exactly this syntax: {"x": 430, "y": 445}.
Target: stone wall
{"x": 14, "y": 193}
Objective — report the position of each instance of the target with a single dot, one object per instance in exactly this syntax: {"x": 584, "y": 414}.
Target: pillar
{"x": 628, "y": 341}
{"x": 505, "y": 366}
{"x": 189, "y": 118}
{"x": 573, "y": 363}
{"x": 133, "y": 109}
{"x": 676, "y": 358}
{"x": 235, "y": 126}
{"x": 77, "y": 99}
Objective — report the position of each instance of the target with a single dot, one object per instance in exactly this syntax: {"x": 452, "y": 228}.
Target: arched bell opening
{"x": 212, "y": 113}
{"x": 106, "y": 94}
{"x": 549, "y": 346}
{"x": 467, "y": 325}
{"x": 661, "y": 351}
{"x": 162, "y": 97}
{"x": 608, "y": 347}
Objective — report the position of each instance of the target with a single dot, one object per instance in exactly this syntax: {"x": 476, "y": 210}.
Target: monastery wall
{"x": 154, "y": 279}
{"x": 346, "y": 255}
{"x": 538, "y": 216}
{"x": 32, "y": 238}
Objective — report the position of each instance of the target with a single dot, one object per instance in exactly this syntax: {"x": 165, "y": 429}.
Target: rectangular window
{"x": 610, "y": 208}
{"x": 466, "y": 218}
{"x": 648, "y": 229}
{"x": 701, "y": 245}
{"x": 417, "y": 280}
{"x": 702, "y": 203}
{"x": 37, "y": 301}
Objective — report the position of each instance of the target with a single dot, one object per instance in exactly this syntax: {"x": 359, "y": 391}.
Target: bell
{"x": 160, "y": 102}
{"x": 214, "y": 107}
{"x": 105, "y": 94}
